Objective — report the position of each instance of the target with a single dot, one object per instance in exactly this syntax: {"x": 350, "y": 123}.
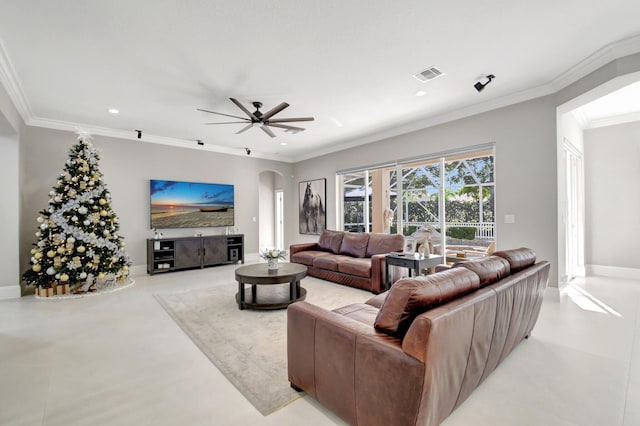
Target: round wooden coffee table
{"x": 258, "y": 274}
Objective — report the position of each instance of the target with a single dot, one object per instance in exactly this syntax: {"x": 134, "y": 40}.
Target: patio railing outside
{"x": 484, "y": 230}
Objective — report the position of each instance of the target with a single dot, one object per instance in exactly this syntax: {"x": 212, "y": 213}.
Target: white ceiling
{"x": 347, "y": 63}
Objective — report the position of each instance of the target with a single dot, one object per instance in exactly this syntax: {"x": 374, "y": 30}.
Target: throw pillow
{"x": 354, "y": 244}
{"x": 330, "y": 241}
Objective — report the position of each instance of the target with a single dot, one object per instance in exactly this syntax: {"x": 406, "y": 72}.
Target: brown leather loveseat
{"x": 353, "y": 259}
{"x": 411, "y": 355}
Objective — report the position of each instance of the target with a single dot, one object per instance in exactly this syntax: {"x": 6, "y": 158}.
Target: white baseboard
{"x": 10, "y": 292}
{"x": 613, "y": 271}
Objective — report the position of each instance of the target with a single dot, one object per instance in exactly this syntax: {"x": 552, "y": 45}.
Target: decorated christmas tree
{"x": 78, "y": 246}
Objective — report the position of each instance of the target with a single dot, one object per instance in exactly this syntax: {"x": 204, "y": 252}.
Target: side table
{"x": 415, "y": 264}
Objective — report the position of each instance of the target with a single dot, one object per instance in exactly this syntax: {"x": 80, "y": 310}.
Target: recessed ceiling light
{"x": 283, "y": 143}
{"x": 113, "y": 111}
{"x": 421, "y": 93}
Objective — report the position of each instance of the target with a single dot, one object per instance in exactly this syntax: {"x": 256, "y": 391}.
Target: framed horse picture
{"x": 313, "y": 214}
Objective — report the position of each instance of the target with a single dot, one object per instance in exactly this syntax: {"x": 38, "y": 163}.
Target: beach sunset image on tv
{"x": 190, "y": 204}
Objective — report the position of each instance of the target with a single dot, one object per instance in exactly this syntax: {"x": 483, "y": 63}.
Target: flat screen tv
{"x": 190, "y": 204}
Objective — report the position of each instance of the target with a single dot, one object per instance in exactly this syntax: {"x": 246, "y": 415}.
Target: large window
{"x": 465, "y": 181}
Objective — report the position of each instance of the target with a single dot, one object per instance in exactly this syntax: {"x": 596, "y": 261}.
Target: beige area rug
{"x": 250, "y": 347}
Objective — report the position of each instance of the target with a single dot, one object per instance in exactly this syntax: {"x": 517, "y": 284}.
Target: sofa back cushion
{"x": 410, "y": 297}
{"x": 354, "y": 244}
{"x": 489, "y": 269}
{"x": 330, "y": 241}
{"x": 518, "y": 258}
{"x": 384, "y": 243}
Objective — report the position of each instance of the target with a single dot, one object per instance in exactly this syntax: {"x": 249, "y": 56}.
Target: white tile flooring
{"x": 118, "y": 359}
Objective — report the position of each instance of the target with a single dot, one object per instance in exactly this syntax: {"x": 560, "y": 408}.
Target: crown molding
{"x": 590, "y": 64}
{"x": 420, "y": 124}
{"x": 600, "y": 58}
{"x": 613, "y": 121}
{"x": 11, "y": 83}
{"x": 146, "y": 138}
{"x": 603, "y": 56}
{"x": 581, "y": 118}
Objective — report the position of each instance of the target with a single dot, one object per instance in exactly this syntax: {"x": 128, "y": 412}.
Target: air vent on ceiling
{"x": 428, "y": 74}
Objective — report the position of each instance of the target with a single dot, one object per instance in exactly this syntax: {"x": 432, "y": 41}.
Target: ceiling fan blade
{"x": 268, "y": 131}
{"x": 228, "y": 122}
{"x": 219, "y": 113}
{"x": 284, "y": 126}
{"x": 246, "y": 111}
{"x": 288, "y": 120}
{"x": 274, "y": 111}
{"x": 244, "y": 129}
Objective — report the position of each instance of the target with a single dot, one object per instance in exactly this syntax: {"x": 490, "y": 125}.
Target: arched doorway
{"x": 271, "y": 209}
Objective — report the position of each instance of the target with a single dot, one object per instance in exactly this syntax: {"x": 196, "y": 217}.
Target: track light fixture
{"x": 200, "y": 142}
{"x": 248, "y": 151}
{"x": 480, "y": 86}
{"x": 139, "y": 133}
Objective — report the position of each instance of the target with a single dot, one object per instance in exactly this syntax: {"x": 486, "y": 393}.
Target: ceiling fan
{"x": 263, "y": 121}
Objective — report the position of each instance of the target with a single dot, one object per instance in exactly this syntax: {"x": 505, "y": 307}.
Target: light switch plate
{"x": 509, "y": 218}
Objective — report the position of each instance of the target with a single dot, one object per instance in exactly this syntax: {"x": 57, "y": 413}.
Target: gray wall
{"x": 612, "y": 176}
{"x": 525, "y": 140}
{"x": 127, "y": 167}
{"x": 10, "y": 124}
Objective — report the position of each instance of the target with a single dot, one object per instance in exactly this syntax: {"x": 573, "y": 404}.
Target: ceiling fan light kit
{"x": 258, "y": 119}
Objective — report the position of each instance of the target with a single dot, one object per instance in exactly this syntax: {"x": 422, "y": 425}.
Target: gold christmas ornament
{"x": 64, "y": 277}
{"x": 36, "y": 268}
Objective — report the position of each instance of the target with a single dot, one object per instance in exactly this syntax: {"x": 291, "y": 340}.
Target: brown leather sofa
{"x": 353, "y": 259}
{"x": 411, "y": 355}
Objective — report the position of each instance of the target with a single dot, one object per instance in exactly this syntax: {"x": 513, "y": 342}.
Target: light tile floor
{"x": 118, "y": 359}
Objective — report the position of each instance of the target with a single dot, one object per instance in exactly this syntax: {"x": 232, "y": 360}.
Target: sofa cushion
{"x": 409, "y": 297}
{"x": 366, "y": 314}
{"x": 355, "y": 266}
{"x": 384, "y": 243}
{"x": 489, "y": 269}
{"x": 354, "y": 244}
{"x": 518, "y": 258}
{"x": 329, "y": 262}
{"x": 330, "y": 241}
{"x": 307, "y": 257}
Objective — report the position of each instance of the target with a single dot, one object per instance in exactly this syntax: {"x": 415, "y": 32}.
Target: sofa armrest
{"x": 295, "y": 248}
{"x": 361, "y": 374}
{"x": 378, "y": 272}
